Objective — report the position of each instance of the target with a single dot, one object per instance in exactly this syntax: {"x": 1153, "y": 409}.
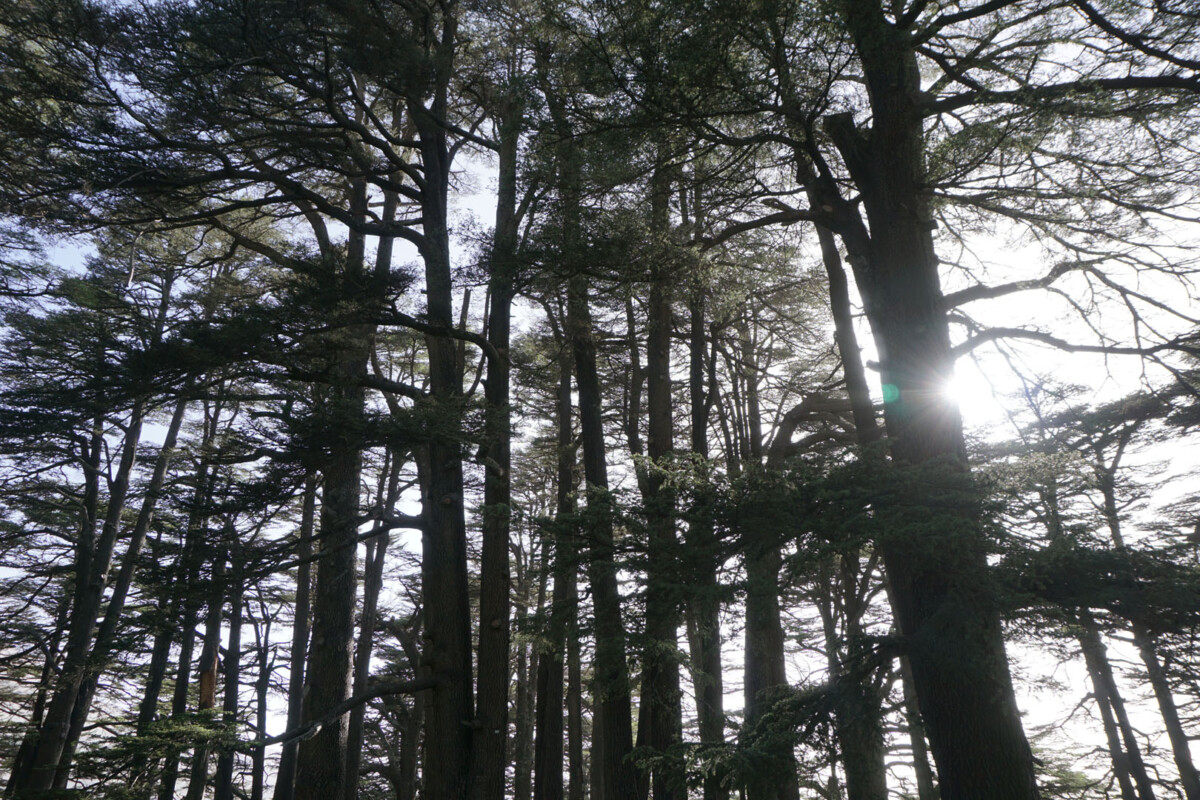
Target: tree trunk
{"x": 489, "y": 758}
{"x": 372, "y": 584}
{"x": 944, "y": 609}
{"x": 661, "y": 695}
{"x": 765, "y": 672}
{"x": 91, "y": 580}
{"x": 191, "y": 561}
{"x": 106, "y": 634}
{"x": 1123, "y": 748}
{"x": 612, "y": 722}
{"x": 233, "y": 665}
{"x": 548, "y": 744}
{"x": 285, "y": 780}
{"x": 207, "y": 670}
{"x": 320, "y": 772}
{"x": 449, "y": 706}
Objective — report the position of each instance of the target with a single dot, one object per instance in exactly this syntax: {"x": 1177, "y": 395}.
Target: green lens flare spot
{"x": 891, "y": 393}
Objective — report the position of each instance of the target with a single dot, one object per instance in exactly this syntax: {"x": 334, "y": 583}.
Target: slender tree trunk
{"x": 106, "y": 634}
{"x": 285, "y": 779}
{"x": 90, "y": 583}
{"x": 191, "y": 561}
{"x": 262, "y": 688}
{"x": 372, "y": 584}
{"x": 208, "y": 670}
{"x": 703, "y": 606}
{"x": 233, "y": 666}
{"x": 548, "y": 747}
{"x": 1123, "y": 748}
{"x": 661, "y": 694}
{"x": 488, "y": 756}
{"x": 860, "y": 720}
{"x": 1144, "y": 639}
{"x": 612, "y": 721}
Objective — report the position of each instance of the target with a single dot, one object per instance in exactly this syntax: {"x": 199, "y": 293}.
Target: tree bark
{"x": 703, "y": 606}
{"x": 224, "y": 789}
{"x": 548, "y": 743}
{"x": 944, "y": 610}
{"x": 449, "y": 707}
{"x": 1123, "y": 748}
{"x": 661, "y": 697}
{"x": 612, "y": 722}
{"x": 90, "y": 581}
{"x": 489, "y": 758}
{"x": 285, "y": 779}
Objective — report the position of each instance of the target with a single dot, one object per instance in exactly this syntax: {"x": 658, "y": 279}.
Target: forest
{"x": 554, "y": 399}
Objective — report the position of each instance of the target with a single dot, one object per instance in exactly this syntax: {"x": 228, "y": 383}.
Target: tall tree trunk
{"x": 860, "y": 720}
{"x": 612, "y": 721}
{"x": 106, "y": 634}
{"x": 1123, "y": 748}
{"x": 703, "y": 606}
{"x": 661, "y": 695}
{"x": 207, "y": 671}
{"x": 262, "y": 688}
{"x": 449, "y": 706}
{"x": 1143, "y": 638}
{"x": 285, "y": 779}
{"x": 191, "y": 560}
{"x": 372, "y": 585}
{"x": 944, "y": 609}
{"x": 765, "y": 672}
{"x": 90, "y": 583}
{"x": 233, "y": 665}
{"x": 488, "y": 756}
{"x": 549, "y": 739}
{"x": 320, "y": 772}
{"x": 29, "y": 741}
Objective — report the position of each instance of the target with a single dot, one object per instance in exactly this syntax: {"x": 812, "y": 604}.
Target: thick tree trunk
{"x": 765, "y": 669}
{"x": 943, "y": 607}
{"x": 449, "y": 706}
{"x": 320, "y": 772}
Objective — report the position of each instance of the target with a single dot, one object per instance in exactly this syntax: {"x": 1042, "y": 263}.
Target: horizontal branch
{"x": 383, "y": 688}
{"x": 992, "y": 334}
